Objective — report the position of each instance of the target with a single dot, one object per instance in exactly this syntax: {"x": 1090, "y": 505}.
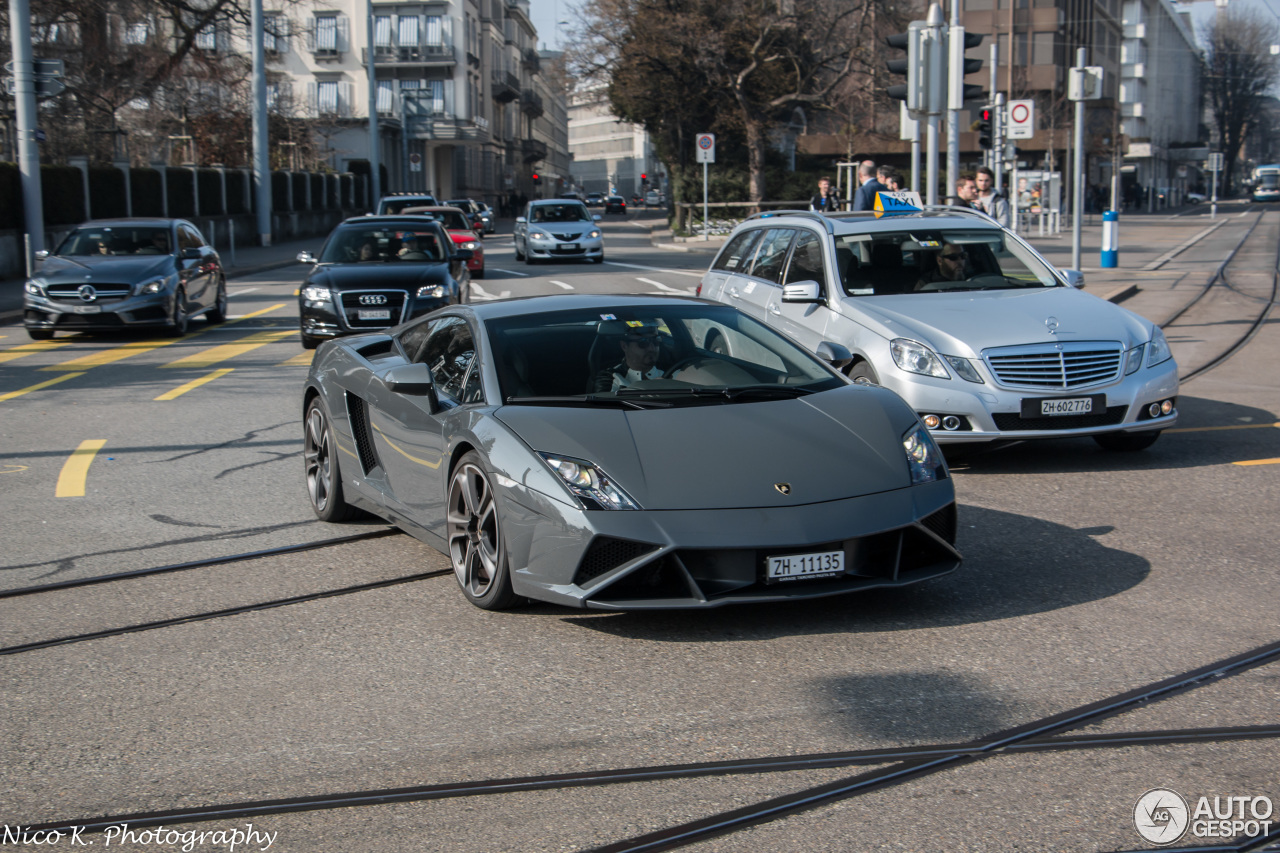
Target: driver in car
{"x": 640, "y": 344}
{"x": 949, "y": 265}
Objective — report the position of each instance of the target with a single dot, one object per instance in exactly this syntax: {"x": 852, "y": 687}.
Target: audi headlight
{"x": 316, "y": 293}
{"x": 431, "y": 291}
{"x": 538, "y": 235}
{"x": 1158, "y": 348}
{"x": 923, "y": 457}
{"x": 35, "y": 287}
{"x": 154, "y": 285}
{"x": 593, "y": 235}
{"x": 964, "y": 369}
{"x": 915, "y": 357}
{"x": 589, "y": 484}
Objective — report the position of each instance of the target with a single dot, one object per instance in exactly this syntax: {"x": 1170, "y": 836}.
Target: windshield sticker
{"x": 635, "y": 324}
{"x": 861, "y": 291}
{"x": 929, "y": 244}
{"x": 608, "y": 317}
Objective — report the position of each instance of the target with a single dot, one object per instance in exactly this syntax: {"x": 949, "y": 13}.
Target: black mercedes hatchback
{"x": 375, "y": 272}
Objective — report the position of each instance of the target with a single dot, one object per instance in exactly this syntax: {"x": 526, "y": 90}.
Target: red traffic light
{"x": 643, "y": 176}
{"x": 535, "y": 176}
{"x": 986, "y": 114}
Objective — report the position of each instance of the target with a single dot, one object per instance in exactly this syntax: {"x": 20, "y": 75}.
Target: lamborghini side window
{"x": 411, "y": 340}
{"x": 449, "y": 351}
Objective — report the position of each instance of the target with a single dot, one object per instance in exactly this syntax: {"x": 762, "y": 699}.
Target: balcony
{"x": 531, "y": 61}
{"x": 411, "y": 55}
{"x": 506, "y": 87}
{"x": 533, "y": 150}
{"x": 447, "y": 128}
{"x": 531, "y": 103}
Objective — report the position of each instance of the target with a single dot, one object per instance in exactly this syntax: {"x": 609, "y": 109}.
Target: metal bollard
{"x": 1110, "y": 239}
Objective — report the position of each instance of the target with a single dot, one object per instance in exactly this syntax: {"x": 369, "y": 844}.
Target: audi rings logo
{"x": 87, "y": 293}
{"x": 1161, "y": 816}
{"x": 373, "y": 299}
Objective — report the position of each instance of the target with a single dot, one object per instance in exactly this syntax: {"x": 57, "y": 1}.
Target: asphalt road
{"x": 1087, "y": 575}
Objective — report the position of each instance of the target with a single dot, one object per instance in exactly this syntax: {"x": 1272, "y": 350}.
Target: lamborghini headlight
{"x": 923, "y": 457}
{"x": 589, "y": 484}
{"x": 915, "y": 357}
{"x": 1158, "y": 349}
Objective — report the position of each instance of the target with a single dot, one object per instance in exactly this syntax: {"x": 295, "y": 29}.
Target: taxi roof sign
{"x": 904, "y": 201}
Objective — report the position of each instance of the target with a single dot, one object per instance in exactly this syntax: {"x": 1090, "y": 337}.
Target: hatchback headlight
{"x": 915, "y": 357}
{"x": 154, "y": 285}
{"x": 1158, "y": 349}
{"x": 923, "y": 457}
{"x": 591, "y": 485}
{"x": 538, "y": 235}
{"x": 316, "y": 293}
{"x": 35, "y": 287}
{"x": 592, "y": 235}
{"x": 431, "y": 291}
{"x": 470, "y": 244}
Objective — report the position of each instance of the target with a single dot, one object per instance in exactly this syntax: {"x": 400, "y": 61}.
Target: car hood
{"x": 829, "y": 446}
{"x": 561, "y": 229}
{"x": 397, "y": 274}
{"x": 115, "y": 268}
{"x": 965, "y": 324}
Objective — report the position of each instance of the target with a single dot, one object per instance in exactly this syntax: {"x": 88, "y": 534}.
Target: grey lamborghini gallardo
{"x": 591, "y": 451}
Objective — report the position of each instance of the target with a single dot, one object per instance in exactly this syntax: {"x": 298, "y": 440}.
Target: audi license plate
{"x": 1049, "y": 407}
{"x": 567, "y": 247}
{"x": 375, "y": 314}
{"x": 792, "y": 567}
{"x": 87, "y": 309}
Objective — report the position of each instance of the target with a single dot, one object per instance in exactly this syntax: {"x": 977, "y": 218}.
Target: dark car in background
{"x": 595, "y": 199}
{"x": 112, "y": 274}
{"x": 379, "y": 271}
{"x": 390, "y": 205}
{"x": 615, "y": 204}
{"x": 472, "y": 209}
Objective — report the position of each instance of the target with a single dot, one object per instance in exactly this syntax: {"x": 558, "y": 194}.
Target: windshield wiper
{"x": 592, "y": 399}
{"x": 724, "y": 393}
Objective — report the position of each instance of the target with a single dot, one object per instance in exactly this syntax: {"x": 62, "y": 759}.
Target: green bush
{"x": 10, "y": 196}
{"x": 106, "y": 193}
{"x": 62, "y": 191}
{"x": 210, "y": 191}
{"x": 182, "y": 196}
{"x": 144, "y": 187}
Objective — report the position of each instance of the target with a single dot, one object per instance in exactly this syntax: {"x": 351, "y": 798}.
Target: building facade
{"x": 608, "y": 154}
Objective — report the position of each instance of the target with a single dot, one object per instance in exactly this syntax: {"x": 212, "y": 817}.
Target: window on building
{"x": 327, "y": 97}
{"x": 1042, "y": 48}
{"x": 435, "y": 31}
{"x": 207, "y": 38}
{"x": 327, "y": 32}
{"x": 275, "y": 34}
{"x": 273, "y": 95}
{"x": 386, "y": 101}
{"x": 136, "y": 33}
{"x": 437, "y": 96}
{"x": 978, "y": 5}
{"x": 382, "y": 31}
{"x": 408, "y": 31}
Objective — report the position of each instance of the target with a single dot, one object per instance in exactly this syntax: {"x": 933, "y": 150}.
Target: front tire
{"x": 218, "y": 313}
{"x": 40, "y": 334}
{"x": 1127, "y": 442}
{"x": 179, "y": 320}
{"x": 519, "y": 254}
{"x": 309, "y": 342}
{"x": 474, "y": 532}
{"x": 320, "y": 460}
{"x": 862, "y": 373}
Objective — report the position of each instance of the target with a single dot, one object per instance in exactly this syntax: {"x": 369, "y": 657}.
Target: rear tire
{"x": 862, "y": 373}
{"x": 179, "y": 321}
{"x": 320, "y": 458}
{"x": 474, "y": 537}
{"x": 309, "y": 342}
{"x": 1127, "y": 442}
{"x": 40, "y": 334}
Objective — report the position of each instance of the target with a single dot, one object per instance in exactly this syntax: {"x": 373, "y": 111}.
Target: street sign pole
{"x": 706, "y": 220}
{"x": 28, "y": 155}
{"x": 705, "y": 151}
{"x": 1078, "y": 169}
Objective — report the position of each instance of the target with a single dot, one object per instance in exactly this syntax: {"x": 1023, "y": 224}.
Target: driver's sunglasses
{"x": 643, "y": 340}
{"x": 955, "y": 256}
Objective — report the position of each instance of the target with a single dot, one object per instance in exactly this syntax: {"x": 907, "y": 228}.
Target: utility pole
{"x": 24, "y": 95}
{"x": 955, "y": 59}
{"x": 1077, "y": 208}
{"x": 375, "y": 168}
{"x": 261, "y": 163}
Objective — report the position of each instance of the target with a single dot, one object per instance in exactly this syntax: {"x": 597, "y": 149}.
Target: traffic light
{"x": 983, "y": 127}
{"x": 915, "y": 90}
{"x": 958, "y": 41}
{"x": 536, "y": 180}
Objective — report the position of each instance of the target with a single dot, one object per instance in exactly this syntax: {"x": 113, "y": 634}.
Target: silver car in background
{"x": 558, "y": 230}
{"x": 959, "y": 316}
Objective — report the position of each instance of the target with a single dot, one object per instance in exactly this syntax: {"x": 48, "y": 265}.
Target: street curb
{"x": 241, "y": 272}
{"x": 1120, "y": 294}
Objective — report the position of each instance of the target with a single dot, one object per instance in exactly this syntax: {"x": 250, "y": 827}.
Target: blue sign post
{"x": 1110, "y": 239}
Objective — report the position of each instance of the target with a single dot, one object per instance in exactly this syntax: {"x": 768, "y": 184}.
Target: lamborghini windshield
{"x": 673, "y": 352}
{"x": 923, "y": 260}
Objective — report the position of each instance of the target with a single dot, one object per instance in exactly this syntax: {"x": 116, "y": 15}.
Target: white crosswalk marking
{"x": 508, "y": 272}
{"x": 562, "y": 285}
{"x": 478, "y": 292}
{"x": 659, "y": 285}
{"x": 653, "y": 269}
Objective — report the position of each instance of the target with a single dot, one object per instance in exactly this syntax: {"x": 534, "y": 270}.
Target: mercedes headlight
{"x": 154, "y": 285}
{"x": 35, "y": 287}
{"x": 316, "y": 293}
{"x": 589, "y": 484}
{"x": 923, "y": 457}
{"x": 431, "y": 291}
{"x": 915, "y": 357}
{"x": 1158, "y": 348}
{"x": 964, "y": 369}
{"x": 1134, "y": 359}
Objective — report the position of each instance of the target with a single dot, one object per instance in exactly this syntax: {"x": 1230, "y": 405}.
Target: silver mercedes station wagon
{"x": 959, "y": 316}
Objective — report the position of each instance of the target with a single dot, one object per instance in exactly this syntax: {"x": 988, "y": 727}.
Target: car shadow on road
{"x": 1209, "y": 432}
{"x": 1014, "y": 565}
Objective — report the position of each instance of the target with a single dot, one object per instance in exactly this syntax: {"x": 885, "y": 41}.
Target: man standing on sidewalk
{"x": 991, "y": 202}
{"x": 865, "y": 197}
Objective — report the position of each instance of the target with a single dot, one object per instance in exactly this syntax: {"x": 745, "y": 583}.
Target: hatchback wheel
{"x": 218, "y": 313}
{"x": 179, "y": 320}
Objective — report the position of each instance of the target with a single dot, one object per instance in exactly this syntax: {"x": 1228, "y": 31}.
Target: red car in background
{"x": 460, "y": 228}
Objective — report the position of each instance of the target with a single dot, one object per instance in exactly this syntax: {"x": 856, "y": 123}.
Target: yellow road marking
{"x": 222, "y": 353}
{"x": 38, "y": 386}
{"x": 1217, "y": 428}
{"x": 12, "y": 468}
{"x": 194, "y": 383}
{"x": 257, "y": 313}
{"x": 431, "y": 465}
{"x": 296, "y": 292}
{"x": 24, "y": 350}
{"x": 1259, "y": 462}
{"x": 76, "y": 469}
{"x": 303, "y": 358}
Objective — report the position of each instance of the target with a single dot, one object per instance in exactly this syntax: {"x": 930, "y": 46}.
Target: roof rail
{"x": 807, "y": 214}
{"x": 956, "y": 209}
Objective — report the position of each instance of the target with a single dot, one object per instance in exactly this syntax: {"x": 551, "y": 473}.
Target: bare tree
{"x": 1239, "y": 71}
